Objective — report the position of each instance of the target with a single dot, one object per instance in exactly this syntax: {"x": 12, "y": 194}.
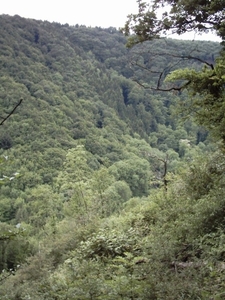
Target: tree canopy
{"x": 175, "y": 16}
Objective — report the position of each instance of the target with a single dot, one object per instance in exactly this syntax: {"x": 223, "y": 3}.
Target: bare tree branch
{"x": 159, "y": 76}
{"x": 174, "y": 88}
{"x": 13, "y": 110}
{"x": 165, "y": 164}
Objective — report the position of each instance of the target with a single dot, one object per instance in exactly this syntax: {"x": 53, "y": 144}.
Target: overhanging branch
{"x": 158, "y": 75}
{"x": 178, "y": 89}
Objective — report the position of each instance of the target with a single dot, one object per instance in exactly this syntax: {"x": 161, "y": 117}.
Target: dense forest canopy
{"x": 105, "y": 192}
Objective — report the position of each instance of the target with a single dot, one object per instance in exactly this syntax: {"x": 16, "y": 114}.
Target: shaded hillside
{"x": 77, "y": 87}
{"x": 74, "y": 91}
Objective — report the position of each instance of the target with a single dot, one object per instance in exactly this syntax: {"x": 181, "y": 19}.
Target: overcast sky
{"x": 102, "y": 13}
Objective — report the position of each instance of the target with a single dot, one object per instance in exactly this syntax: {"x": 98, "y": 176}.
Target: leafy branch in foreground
{"x": 206, "y": 87}
{"x": 161, "y": 17}
{"x": 207, "y": 96}
{"x": 143, "y": 58}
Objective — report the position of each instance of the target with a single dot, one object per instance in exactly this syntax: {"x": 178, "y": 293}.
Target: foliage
{"x": 88, "y": 217}
{"x": 206, "y": 101}
{"x": 161, "y": 17}
{"x": 206, "y": 87}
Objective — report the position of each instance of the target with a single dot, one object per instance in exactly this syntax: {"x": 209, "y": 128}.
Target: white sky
{"x": 102, "y": 13}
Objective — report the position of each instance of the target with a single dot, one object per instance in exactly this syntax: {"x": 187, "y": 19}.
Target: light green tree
{"x": 135, "y": 172}
{"x": 73, "y": 182}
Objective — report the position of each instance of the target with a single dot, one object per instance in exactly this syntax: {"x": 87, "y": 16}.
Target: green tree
{"x": 179, "y": 16}
{"x": 207, "y": 96}
{"x": 135, "y": 172}
{"x": 73, "y": 181}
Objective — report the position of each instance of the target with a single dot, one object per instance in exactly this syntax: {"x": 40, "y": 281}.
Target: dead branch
{"x": 174, "y": 88}
{"x": 134, "y": 62}
{"x": 165, "y": 164}
{"x": 10, "y": 113}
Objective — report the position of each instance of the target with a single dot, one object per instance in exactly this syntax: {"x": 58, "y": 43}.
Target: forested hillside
{"x": 106, "y": 191}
